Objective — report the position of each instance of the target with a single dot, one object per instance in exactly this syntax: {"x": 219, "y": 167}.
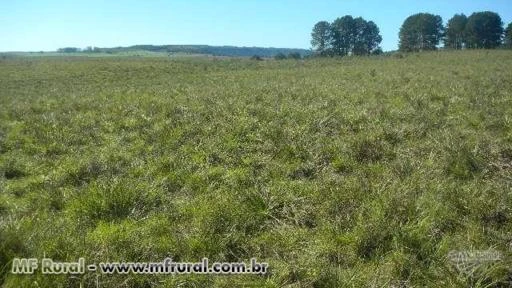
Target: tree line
{"x": 419, "y": 32}
{"x": 346, "y": 35}
{"x": 229, "y": 51}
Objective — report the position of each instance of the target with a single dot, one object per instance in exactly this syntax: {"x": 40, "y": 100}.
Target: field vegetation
{"x": 339, "y": 172}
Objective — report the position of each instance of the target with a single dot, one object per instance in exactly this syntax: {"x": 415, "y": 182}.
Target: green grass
{"x": 354, "y": 172}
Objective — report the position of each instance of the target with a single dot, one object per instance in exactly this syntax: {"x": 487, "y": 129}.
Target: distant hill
{"x": 230, "y": 51}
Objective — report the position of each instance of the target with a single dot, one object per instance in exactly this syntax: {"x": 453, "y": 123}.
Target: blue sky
{"x": 34, "y": 25}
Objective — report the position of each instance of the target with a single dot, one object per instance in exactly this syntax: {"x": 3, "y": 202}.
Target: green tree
{"x": 484, "y": 30}
{"x": 320, "y": 37}
{"x": 377, "y": 51}
{"x": 455, "y": 32}
{"x": 342, "y": 30}
{"x": 508, "y": 36}
{"x": 366, "y": 38}
{"x": 354, "y": 36}
{"x": 422, "y": 31}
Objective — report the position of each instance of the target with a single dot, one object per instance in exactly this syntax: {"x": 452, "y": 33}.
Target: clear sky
{"x": 34, "y": 25}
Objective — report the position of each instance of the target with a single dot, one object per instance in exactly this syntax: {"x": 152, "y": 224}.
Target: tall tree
{"x": 484, "y": 30}
{"x": 358, "y": 45}
{"x": 421, "y": 31}
{"x": 354, "y": 36}
{"x": 508, "y": 36}
{"x": 372, "y": 38}
{"x": 455, "y": 32}
{"x": 320, "y": 37}
{"x": 342, "y": 34}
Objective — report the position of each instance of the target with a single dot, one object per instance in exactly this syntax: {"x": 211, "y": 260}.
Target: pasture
{"x": 349, "y": 172}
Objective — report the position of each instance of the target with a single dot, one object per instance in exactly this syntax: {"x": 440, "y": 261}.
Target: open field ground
{"x": 353, "y": 172}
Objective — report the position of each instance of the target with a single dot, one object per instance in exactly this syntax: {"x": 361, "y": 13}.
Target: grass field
{"x": 353, "y": 172}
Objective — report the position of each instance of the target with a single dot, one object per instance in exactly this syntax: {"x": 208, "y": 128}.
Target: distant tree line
{"x": 88, "y": 49}
{"x": 346, "y": 36}
{"x": 229, "y": 51}
{"x": 69, "y": 50}
{"x": 419, "y": 32}
{"x": 292, "y": 55}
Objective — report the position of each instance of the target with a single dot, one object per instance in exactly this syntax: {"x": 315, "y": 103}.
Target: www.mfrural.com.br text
{"x": 167, "y": 266}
